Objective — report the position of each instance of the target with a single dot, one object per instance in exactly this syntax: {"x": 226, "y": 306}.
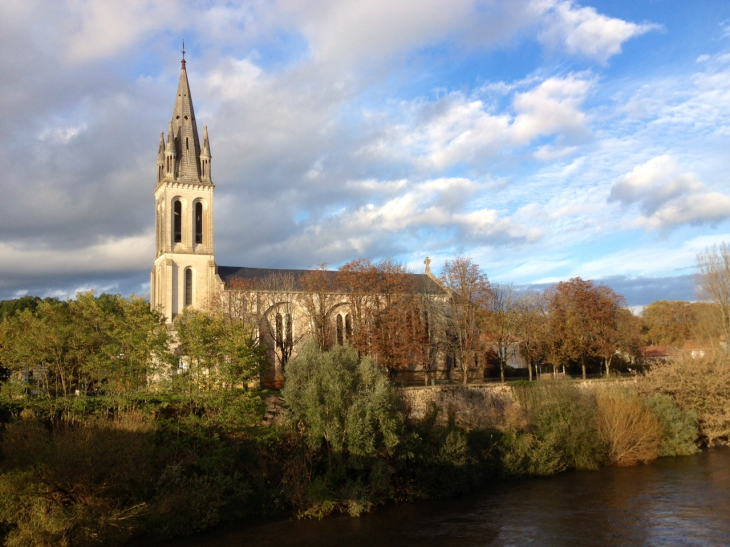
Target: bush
{"x": 347, "y": 412}
{"x": 702, "y": 385}
{"x": 679, "y": 426}
{"x": 526, "y": 455}
{"x": 82, "y": 486}
{"x": 627, "y": 426}
{"x": 562, "y": 418}
{"x": 348, "y": 404}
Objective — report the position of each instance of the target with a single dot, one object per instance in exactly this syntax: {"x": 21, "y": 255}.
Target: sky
{"x": 545, "y": 139}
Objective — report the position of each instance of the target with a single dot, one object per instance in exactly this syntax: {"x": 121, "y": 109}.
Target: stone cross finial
{"x": 427, "y": 262}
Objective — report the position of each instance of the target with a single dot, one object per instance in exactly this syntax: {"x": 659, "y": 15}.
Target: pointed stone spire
{"x": 206, "y": 144}
{"x": 161, "y": 159}
{"x": 205, "y": 157}
{"x": 161, "y": 151}
{"x": 170, "y": 154}
{"x": 185, "y": 132}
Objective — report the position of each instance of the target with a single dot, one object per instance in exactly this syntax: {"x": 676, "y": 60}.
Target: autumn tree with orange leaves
{"x": 388, "y": 322}
{"x": 467, "y": 307}
{"x": 583, "y": 320}
{"x": 320, "y": 295}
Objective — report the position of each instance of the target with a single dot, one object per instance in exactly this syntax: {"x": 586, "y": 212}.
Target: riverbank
{"x": 684, "y": 499}
{"x": 105, "y": 470}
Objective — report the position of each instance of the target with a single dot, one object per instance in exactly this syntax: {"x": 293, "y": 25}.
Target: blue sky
{"x": 546, "y": 139}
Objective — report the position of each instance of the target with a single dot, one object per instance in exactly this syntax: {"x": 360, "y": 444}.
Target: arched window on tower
{"x": 198, "y": 222}
{"x": 177, "y": 222}
{"x": 289, "y": 330}
{"x": 340, "y": 332}
{"x": 279, "y": 331}
{"x": 188, "y": 287}
{"x": 348, "y": 328}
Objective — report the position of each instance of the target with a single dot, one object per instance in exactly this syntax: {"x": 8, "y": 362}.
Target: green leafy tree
{"x": 216, "y": 352}
{"x": 346, "y": 403}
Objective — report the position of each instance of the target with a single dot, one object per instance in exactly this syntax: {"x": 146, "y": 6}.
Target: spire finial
{"x": 183, "y": 53}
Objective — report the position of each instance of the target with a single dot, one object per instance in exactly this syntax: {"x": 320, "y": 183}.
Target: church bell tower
{"x": 184, "y": 273}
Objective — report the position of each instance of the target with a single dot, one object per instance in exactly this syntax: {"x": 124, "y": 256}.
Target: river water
{"x": 674, "y": 501}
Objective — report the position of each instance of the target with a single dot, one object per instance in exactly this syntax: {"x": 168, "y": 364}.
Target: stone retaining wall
{"x": 472, "y": 406}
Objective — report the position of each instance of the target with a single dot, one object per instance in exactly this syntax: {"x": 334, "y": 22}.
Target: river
{"x": 674, "y": 501}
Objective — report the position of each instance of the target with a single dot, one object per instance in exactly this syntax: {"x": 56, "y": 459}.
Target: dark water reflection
{"x": 675, "y": 501}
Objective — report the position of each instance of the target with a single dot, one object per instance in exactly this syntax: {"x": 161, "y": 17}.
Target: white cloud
{"x": 114, "y": 255}
{"x": 551, "y": 107}
{"x": 458, "y": 128}
{"x": 61, "y": 135}
{"x": 103, "y": 29}
{"x": 667, "y": 197}
{"x": 585, "y": 32}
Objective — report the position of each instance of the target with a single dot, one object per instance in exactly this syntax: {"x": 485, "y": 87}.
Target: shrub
{"x": 525, "y": 455}
{"x": 702, "y": 385}
{"x": 347, "y": 412}
{"x": 82, "y": 486}
{"x": 627, "y": 426}
{"x": 346, "y": 403}
{"x": 679, "y": 426}
{"x": 562, "y": 417}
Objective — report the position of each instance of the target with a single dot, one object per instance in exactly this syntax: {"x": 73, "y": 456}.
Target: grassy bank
{"x": 104, "y": 470}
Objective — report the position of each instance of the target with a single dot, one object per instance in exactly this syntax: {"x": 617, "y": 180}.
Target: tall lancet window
{"x": 188, "y": 287}
{"x": 177, "y": 222}
{"x": 198, "y": 222}
{"x": 340, "y": 334}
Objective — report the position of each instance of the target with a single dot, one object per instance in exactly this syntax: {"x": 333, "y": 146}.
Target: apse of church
{"x": 184, "y": 270}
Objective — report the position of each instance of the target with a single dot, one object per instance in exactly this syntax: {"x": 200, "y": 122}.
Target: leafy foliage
{"x": 342, "y": 401}
{"x": 679, "y": 426}
{"x": 701, "y": 385}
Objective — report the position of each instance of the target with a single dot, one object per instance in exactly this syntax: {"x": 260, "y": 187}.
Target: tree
{"x": 668, "y": 323}
{"x": 216, "y": 353}
{"x": 713, "y": 282}
{"x": 389, "y": 312}
{"x": 280, "y": 294}
{"x": 532, "y": 327}
{"x": 501, "y": 324}
{"x": 107, "y": 343}
{"x": 344, "y": 401}
{"x": 583, "y": 320}
{"x": 319, "y": 297}
{"x": 467, "y": 306}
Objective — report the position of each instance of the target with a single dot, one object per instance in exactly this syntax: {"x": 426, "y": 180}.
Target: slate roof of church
{"x": 228, "y": 273}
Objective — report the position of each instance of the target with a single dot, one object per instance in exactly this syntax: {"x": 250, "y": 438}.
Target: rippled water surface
{"x": 675, "y": 501}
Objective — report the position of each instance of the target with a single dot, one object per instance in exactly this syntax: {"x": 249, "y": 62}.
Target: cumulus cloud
{"x": 668, "y": 198}
{"x": 327, "y": 145}
{"x": 459, "y": 128}
{"x": 583, "y": 31}
{"x": 417, "y": 217}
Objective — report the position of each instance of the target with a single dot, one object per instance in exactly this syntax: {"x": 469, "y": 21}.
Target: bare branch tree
{"x": 713, "y": 282}
{"x": 502, "y": 324}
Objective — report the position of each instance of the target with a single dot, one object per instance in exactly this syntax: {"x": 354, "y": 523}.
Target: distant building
{"x": 656, "y": 354}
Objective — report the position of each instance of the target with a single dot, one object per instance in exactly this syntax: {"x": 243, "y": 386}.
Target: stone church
{"x": 185, "y": 273}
